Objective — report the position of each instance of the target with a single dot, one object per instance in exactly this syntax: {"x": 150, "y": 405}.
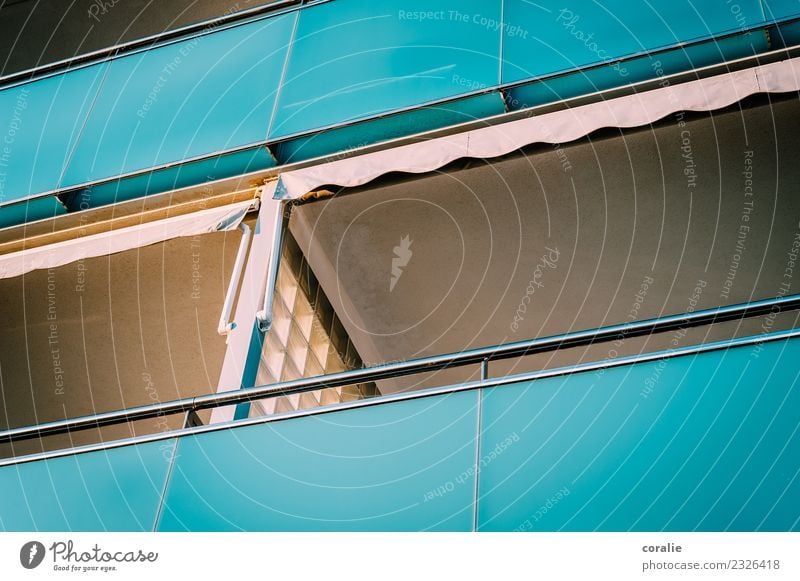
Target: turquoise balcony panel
{"x": 39, "y": 125}
{"x": 181, "y": 176}
{"x": 707, "y": 442}
{"x": 402, "y": 124}
{"x": 112, "y": 490}
{"x": 355, "y": 59}
{"x": 778, "y": 9}
{"x": 186, "y": 99}
{"x": 540, "y": 39}
{"x": 31, "y": 210}
{"x": 637, "y": 69}
{"x": 401, "y": 467}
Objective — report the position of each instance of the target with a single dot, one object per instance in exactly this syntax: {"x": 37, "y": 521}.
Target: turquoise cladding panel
{"x": 698, "y": 443}
{"x": 642, "y": 68}
{"x": 355, "y": 58}
{"x": 544, "y": 38}
{"x": 39, "y": 125}
{"x": 401, "y": 467}
{"x": 112, "y": 490}
{"x": 779, "y": 9}
{"x": 182, "y": 100}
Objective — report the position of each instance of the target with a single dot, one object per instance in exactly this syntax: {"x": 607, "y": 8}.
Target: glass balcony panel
{"x": 705, "y": 442}
{"x": 40, "y": 123}
{"x": 776, "y": 9}
{"x": 183, "y": 99}
{"x": 696, "y": 443}
{"x": 368, "y": 469}
{"x": 82, "y": 27}
{"x": 110, "y": 490}
{"x": 541, "y": 39}
{"x": 384, "y": 56}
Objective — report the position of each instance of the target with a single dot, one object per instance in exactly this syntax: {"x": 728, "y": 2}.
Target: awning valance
{"x": 634, "y": 110}
{"x": 203, "y": 222}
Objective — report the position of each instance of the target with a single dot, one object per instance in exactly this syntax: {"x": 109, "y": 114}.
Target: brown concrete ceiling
{"x": 108, "y": 333}
{"x": 632, "y": 237}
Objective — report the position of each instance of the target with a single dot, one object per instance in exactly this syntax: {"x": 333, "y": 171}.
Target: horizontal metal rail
{"x": 391, "y": 370}
{"x": 483, "y": 383}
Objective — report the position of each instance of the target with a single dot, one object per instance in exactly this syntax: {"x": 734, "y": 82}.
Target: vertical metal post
{"x": 485, "y": 369}
{"x": 192, "y": 420}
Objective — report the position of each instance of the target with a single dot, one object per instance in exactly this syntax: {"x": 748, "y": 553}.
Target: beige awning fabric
{"x": 216, "y": 219}
{"x": 562, "y": 126}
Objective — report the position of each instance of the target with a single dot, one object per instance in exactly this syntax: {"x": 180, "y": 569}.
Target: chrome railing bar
{"x": 508, "y": 351}
{"x": 434, "y": 363}
{"x": 156, "y": 410}
{"x": 414, "y": 366}
{"x": 419, "y": 394}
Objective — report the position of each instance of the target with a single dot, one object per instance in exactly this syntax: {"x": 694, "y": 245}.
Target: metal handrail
{"x": 403, "y": 368}
{"x": 193, "y": 429}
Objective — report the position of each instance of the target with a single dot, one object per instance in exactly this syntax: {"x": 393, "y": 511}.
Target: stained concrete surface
{"x": 620, "y": 226}
{"x": 107, "y": 333}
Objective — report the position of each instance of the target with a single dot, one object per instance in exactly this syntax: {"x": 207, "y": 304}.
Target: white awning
{"x": 563, "y": 126}
{"x": 205, "y": 221}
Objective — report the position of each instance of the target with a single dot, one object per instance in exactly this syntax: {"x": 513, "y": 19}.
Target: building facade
{"x": 346, "y": 265}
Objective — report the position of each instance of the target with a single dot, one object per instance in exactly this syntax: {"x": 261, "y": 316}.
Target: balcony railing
{"x": 482, "y": 356}
{"x": 702, "y": 437}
